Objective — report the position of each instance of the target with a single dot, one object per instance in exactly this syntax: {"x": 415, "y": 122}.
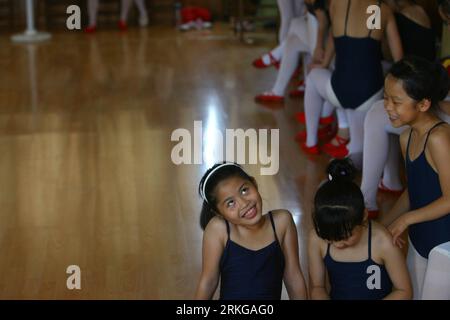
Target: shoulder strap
{"x": 228, "y": 228}
{"x": 429, "y": 132}
{"x": 407, "y": 145}
{"x": 273, "y": 226}
{"x": 370, "y": 240}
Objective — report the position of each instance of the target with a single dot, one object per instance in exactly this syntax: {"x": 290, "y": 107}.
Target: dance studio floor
{"x": 86, "y": 171}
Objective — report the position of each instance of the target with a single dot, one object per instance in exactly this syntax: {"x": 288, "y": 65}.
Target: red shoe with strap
{"x": 301, "y": 118}
{"x": 314, "y": 150}
{"x": 383, "y": 188}
{"x": 259, "y": 63}
{"x": 269, "y": 97}
{"x": 340, "y": 151}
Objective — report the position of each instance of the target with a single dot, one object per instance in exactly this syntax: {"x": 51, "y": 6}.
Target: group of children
{"x": 350, "y": 255}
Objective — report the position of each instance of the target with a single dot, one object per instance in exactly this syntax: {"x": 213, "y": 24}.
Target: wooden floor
{"x": 85, "y": 168}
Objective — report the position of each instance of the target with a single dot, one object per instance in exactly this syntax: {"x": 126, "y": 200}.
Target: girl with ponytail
{"x": 251, "y": 253}
{"x": 355, "y": 253}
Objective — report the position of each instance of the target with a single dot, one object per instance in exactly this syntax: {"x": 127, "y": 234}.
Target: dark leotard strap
{"x": 370, "y": 240}
{"x": 273, "y": 226}
{"x": 228, "y": 229}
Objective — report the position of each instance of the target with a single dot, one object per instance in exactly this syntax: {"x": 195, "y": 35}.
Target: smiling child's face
{"x": 239, "y": 201}
{"x": 401, "y": 109}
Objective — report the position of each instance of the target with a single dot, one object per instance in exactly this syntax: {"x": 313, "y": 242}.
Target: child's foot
{"x": 269, "y": 97}
{"x": 122, "y": 25}
{"x": 310, "y": 150}
{"x": 90, "y": 29}
{"x": 337, "y": 148}
{"x": 301, "y": 118}
{"x": 265, "y": 61}
{"x": 324, "y": 134}
{"x": 143, "y": 20}
{"x": 383, "y": 188}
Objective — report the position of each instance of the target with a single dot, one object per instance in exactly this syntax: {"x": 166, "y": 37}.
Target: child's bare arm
{"x": 213, "y": 246}
{"x": 395, "y": 265}
{"x": 293, "y": 276}
{"x": 317, "y": 271}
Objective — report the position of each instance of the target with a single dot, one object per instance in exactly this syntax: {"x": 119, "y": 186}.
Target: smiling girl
{"x": 251, "y": 253}
{"x": 413, "y": 89}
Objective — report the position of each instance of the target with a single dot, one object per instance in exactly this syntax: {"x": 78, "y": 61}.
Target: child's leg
{"x": 289, "y": 62}
{"x": 286, "y": 8}
{"x": 436, "y": 285}
{"x": 143, "y": 16}
{"x": 125, "y": 8}
{"x": 417, "y": 266}
{"x": 391, "y": 176}
{"x": 92, "y": 12}
{"x": 375, "y": 152}
{"x": 315, "y": 94}
{"x": 141, "y": 7}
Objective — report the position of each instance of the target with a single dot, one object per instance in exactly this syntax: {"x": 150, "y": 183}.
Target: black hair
{"x": 422, "y": 79}
{"x": 209, "y": 207}
{"x": 339, "y": 203}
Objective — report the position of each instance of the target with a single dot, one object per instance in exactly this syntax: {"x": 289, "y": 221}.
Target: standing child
{"x": 250, "y": 252}
{"x": 356, "y": 254}
{"x": 413, "y": 89}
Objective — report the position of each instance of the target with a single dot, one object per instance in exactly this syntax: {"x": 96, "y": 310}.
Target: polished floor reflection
{"x": 86, "y": 171}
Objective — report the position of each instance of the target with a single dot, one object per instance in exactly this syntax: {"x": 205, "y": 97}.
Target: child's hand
{"x": 318, "y": 55}
{"x": 397, "y": 228}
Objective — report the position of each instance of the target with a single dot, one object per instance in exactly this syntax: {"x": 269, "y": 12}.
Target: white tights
{"x": 289, "y": 9}
{"x": 125, "y": 7}
{"x": 301, "y": 38}
{"x": 430, "y": 277}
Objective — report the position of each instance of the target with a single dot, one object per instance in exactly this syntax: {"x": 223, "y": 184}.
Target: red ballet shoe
{"x": 323, "y": 134}
{"x": 373, "y": 214}
{"x": 340, "y": 151}
{"x": 259, "y": 63}
{"x": 122, "y": 25}
{"x": 301, "y": 118}
{"x": 383, "y": 188}
{"x": 314, "y": 150}
{"x": 269, "y": 97}
{"x": 90, "y": 29}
